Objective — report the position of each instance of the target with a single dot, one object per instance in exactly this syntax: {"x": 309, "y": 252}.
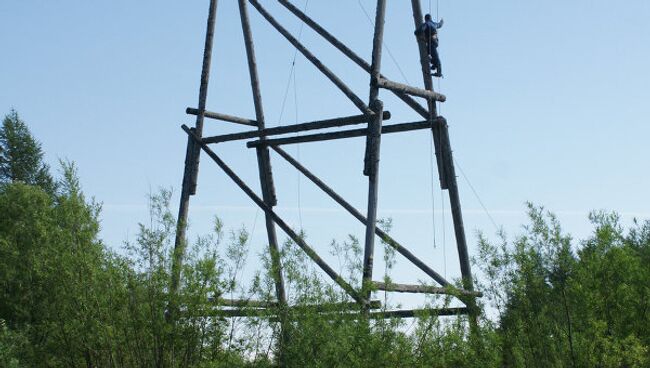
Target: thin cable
{"x": 390, "y": 54}
{"x": 433, "y": 192}
{"x": 298, "y": 175}
{"x": 476, "y": 195}
{"x": 444, "y": 233}
{"x": 437, "y": 9}
{"x": 291, "y": 70}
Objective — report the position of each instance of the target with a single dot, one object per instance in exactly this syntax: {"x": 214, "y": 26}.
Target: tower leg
{"x": 191, "y": 164}
{"x": 457, "y": 216}
{"x": 266, "y": 181}
{"x": 373, "y": 142}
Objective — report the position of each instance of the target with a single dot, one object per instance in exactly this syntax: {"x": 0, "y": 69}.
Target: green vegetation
{"x": 68, "y": 300}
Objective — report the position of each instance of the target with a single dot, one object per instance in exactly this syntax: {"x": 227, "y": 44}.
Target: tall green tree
{"x": 21, "y": 156}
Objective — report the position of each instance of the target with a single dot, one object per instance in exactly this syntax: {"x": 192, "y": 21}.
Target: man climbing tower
{"x": 428, "y": 32}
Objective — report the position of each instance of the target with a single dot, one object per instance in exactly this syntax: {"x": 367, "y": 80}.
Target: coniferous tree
{"x": 21, "y": 156}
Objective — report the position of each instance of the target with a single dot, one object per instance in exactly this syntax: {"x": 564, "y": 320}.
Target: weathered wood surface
{"x": 374, "y": 144}
{"x": 423, "y": 289}
{"x": 246, "y": 303}
{"x": 263, "y": 156}
{"x": 388, "y": 129}
{"x": 313, "y": 59}
{"x": 190, "y": 174}
{"x": 242, "y": 303}
{"x": 349, "y": 53}
{"x": 354, "y": 212}
{"x": 284, "y": 129}
{"x": 266, "y": 176}
{"x": 414, "y": 91}
{"x": 277, "y": 219}
{"x": 457, "y": 216}
{"x": 419, "y": 313}
{"x": 222, "y": 117}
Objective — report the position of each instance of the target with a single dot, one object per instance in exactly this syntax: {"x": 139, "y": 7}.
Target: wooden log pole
{"x": 349, "y": 53}
{"x": 413, "y": 313}
{"x": 277, "y": 219}
{"x": 313, "y": 59}
{"x": 405, "y": 88}
{"x": 373, "y": 145}
{"x": 320, "y": 124}
{"x": 356, "y": 214}
{"x": 457, "y": 216}
{"x": 423, "y": 289}
{"x": 222, "y": 117}
{"x": 266, "y": 178}
{"x": 388, "y": 129}
{"x": 190, "y": 173}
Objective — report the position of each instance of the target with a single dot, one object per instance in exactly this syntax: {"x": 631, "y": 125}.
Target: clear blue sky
{"x": 547, "y": 102}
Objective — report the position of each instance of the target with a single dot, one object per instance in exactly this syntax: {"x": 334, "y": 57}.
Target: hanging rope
{"x": 433, "y": 191}
{"x": 290, "y": 79}
{"x": 292, "y": 68}
{"x": 478, "y": 198}
{"x": 298, "y": 175}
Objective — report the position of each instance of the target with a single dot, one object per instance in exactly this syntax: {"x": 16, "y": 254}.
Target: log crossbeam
{"x": 405, "y": 88}
{"x": 408, "y": 313}
{"x": 222, "y": 117}
{"x": 294, "y": 128}
{"x": 423, "y": 289}
{"x": 388, "y": 129}
{"x": 261, "y": 305}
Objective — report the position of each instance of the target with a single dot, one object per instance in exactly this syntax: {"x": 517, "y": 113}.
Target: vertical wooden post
{"x": 459, "y": 228}
{"x": 447, "y": 173}
{"x": 266, "y": 179}
{"x": 192, "y": 159}
{"x": 372, "y": 159}
{"x": 373, "y": 142}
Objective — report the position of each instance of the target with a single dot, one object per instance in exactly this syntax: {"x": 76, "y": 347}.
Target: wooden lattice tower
{"x": 373, "y": 114}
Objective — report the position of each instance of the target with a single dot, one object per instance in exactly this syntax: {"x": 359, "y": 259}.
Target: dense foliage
{"x": 69, "y": 300}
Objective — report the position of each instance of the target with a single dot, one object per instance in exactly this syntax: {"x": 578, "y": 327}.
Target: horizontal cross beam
{"x": 311, "y": 253}
{"x": 423, "y": 289}
{"x": 271, "y": 312}
{"x": 222, "y": 117}
{"x": 320, "y": 124}
{"x": 396, "y": 128}
{"x": 409, "y": 313}
{"x": 405, "y": 88}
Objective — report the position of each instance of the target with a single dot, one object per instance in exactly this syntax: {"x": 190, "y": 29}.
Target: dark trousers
{"x": 433, "y": 56}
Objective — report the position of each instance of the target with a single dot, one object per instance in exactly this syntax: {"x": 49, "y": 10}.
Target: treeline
{"x": 70, "y": 300}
